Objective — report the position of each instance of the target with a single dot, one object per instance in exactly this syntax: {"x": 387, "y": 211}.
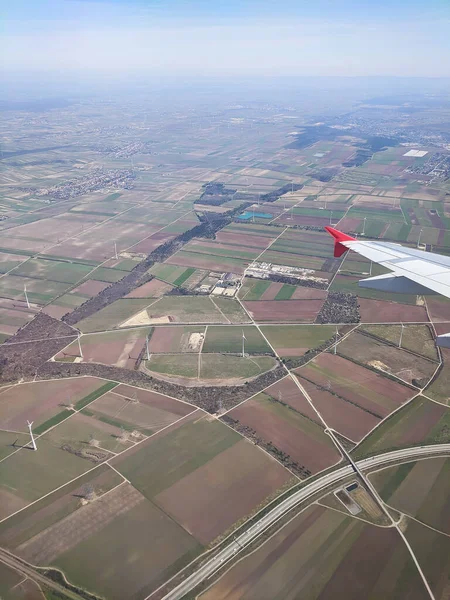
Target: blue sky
{"x": 228, "y": 37}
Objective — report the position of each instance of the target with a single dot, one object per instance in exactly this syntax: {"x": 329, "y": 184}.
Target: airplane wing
{"x": 412, "y": 271}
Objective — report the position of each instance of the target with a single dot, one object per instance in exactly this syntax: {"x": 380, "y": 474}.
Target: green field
{"x": 97, "y": 563}
{"x": 420, "y": 489}
{"x": 33, "y": 474}
{"x": 113, "y": 315}
{"x": 178, "y": 365}
{"x": 289, "y": 338}
{"x": 229, "y": 339}
{"x": 219, "y": 366}
{"x": 253, "y": 289}
{"x": 167, "y": 457}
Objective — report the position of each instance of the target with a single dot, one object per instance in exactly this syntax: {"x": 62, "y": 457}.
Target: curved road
{"x": 209, "y": 568}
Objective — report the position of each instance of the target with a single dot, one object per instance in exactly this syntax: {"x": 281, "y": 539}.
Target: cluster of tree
{"x": 22, "y": 360}
{"x": 215, "y": 194}
{"x": 339, "y": 307}
{"x": 289, "y": 187}
{"x": 325, "y": 174}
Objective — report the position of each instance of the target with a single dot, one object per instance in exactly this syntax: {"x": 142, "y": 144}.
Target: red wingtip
{"x": 339, "y": 249}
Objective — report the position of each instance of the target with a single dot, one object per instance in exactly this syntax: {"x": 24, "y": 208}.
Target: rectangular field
{"x": 287, "y": 430}
{"x": 372, "y": 392}
{"x": 284, "y": 311}
{"x": 292, "y": 340}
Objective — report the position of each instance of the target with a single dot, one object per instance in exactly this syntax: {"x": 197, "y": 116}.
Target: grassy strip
{"x": 95, "y": 394}
{"x": 182, "y": 278}
{"x": 58, "y": 418}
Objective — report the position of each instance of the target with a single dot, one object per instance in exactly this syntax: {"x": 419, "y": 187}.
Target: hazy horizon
{"x": 324, "y": 38}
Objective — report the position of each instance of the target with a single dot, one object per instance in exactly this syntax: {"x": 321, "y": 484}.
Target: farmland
{"x": 366, "y": 389}
{"x": 318, "y": 550}
{"x": 284, "y": 429}
{"x": 199, "y": 341}
{"x": 419, "y": 489}
{"x": 418, "y": 422}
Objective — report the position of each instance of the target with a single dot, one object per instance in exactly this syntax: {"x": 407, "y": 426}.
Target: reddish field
{"x": 153, "y": 289}
{"x": 156, "y": 400}
{"x": 349, "y": 224}
{"x": 439, "y": 308}
{"x": 272, "y": 291}
{"x": 149, "y": 244}
{"x": 109, "y": 349}
{"x": 305, "y": 293}
{"x": 418, "y": 429}
{"x": 379, "y": 311}
{"x": 346, "y": 418}
{"x": 308, "y": 450}
{"x": 365, "y": 388}
{"x": 163, "y": 339}
{"x": 227, "y": 488}
{"x": 90, "y": 287}
{"x": 41, "y": 400}
{"x": 284, "y": 311}
{"x": 286, "y": 391}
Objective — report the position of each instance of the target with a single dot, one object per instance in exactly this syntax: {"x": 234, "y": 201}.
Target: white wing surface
{"x": 412, "y": 271}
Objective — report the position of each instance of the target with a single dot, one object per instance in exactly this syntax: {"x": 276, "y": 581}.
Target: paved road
{"x": 269, "y": 518}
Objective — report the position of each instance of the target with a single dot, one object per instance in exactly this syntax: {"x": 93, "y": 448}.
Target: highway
{"x": 239, "y": 542}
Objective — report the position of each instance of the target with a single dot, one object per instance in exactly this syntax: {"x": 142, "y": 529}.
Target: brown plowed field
{"x": 156, "y": 400}
{"x": 439, "y": 308}
{"x": 349, "y": 224}
{"x": 90, "y": 287}
{"x": 285, "y": 311}
{"x": 149, "y": 244}
{"x": 306, "y": 293}
{"x": 379, "y": 311}
{"x": 41, "y": 400}
{"x": 311, "y": 449}
{"x": 224, "y": 490}
{"x": 272, "y": 291}
{"x": 359, "y": 385}
{"x": 346, "y": 418}
{"x": 153, "y": 289}
{"x": 163, "y": 339}
{"x": 109, "y": 349}
{"x": 286, "y": 391}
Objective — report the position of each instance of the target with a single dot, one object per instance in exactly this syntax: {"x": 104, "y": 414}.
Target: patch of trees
{"x": 293, "y": 363}
{"x": 325, "y": 174}
{"x": 339, "y": 307}
{"x": 361, "y": 156}
{"x": 33, "y": 345}
{"x": 215, "y": 194}
{"x": 300, "y": 470}
{"x": 289, "y": 187}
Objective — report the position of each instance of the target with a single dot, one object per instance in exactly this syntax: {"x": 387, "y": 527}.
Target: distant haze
{"x": 339, "y": 38}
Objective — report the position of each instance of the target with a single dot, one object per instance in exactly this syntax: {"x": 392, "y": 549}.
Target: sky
{"x": 409, "y": 38}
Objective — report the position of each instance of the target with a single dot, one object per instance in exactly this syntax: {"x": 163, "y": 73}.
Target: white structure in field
{"x": 416, "y": 153}
{"x": 33, "y": 443}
